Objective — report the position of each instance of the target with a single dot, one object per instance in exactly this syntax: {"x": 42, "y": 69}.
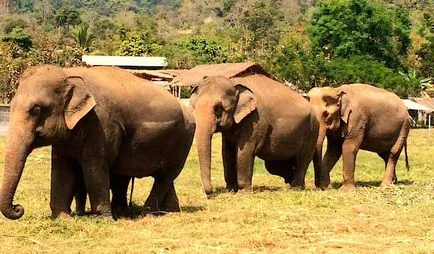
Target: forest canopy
{"x": 308, "y": 43}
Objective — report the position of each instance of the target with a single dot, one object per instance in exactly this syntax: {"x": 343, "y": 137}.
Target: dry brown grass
{"x": 273, "y": 219}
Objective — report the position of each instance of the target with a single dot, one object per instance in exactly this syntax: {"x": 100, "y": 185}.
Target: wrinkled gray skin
{"x": 257, "y": 116}
{"x": 354, "y": 117}
{"x": 98, "y": 120}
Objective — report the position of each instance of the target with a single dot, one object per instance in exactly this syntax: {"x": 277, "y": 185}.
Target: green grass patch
{"x": 272, "y": 219}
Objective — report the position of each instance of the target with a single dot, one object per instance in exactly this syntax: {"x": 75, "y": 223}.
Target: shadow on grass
{"x": 136, "y": 211}
{"x": 256, "y": 189}
{"x": 337, "y": 185}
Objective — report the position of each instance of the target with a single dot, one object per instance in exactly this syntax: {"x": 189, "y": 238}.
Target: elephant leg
{"x": 390, "y": 174}
{"x": 96, "y": 178}
{"x": 229, "y": 154}
{"x": 80, "y": 194}
{"x": 302, "y": 162}
{"x": 385, "y": 156}
{"x": 154, "y": 202}
{"x": 245, "y": 162}
{"x": 350, "y": 148}
{"x": 171, "y": 202}
{"x": 63, "y": 183}
{"x": 331, "y": 157}
{"x": 119, "y": 187}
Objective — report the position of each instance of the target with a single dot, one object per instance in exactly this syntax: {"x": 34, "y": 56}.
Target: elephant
{"x": 100, "y": 121}
{"x": 353, "y": 117}
{"x": 249, "y": 113}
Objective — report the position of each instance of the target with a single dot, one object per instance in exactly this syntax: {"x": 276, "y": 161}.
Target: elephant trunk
{"x": 205, "y": 131}
{"x": 317, "y": 159}
{"x": 18, "y": 148}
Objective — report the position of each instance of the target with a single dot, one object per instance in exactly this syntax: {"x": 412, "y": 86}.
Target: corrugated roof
{"x": 428, "y": 102}
{"x": 229, "y": 70}
{"x": 409, "y": 104}
{"x": 152, "y": 74}
{"x": 125, "y": 61}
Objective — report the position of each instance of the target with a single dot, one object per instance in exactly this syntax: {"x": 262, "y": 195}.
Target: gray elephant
{"x": 257, "y": 116}
{"x": 354, "y": 117}
{"x": 99, "y": 121}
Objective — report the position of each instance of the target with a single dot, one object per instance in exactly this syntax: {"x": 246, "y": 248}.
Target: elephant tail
{"x": 406, "y": 156}
{"x": 132, "y": 188}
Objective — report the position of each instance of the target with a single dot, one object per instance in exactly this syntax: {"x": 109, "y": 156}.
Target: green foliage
{"x": 205, "y": 50}
{"x": 361, "y": 69}
{"x": 10, "y": 24}
{"x": 66, "y": 16}
{"x": 345, "y": 28}
{"x": 426, "y": 53}
{"x": 259, "y": 27}
{"x": 298, "y": 64}
{"x": 138, "y": 44}
{"x": 83, "y": 37}
{"x": 19, "y": 38}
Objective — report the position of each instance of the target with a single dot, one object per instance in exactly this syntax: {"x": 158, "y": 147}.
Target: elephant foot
{"x": 386, "y": 183}
{"x": 245, "y": 190}
{"x": 119, "y": 212}
{"x": 347, "y": 186}
{"x": 232, "y": 188}
{"x": 60, "y": 215}
{"x": 297, "y": 185}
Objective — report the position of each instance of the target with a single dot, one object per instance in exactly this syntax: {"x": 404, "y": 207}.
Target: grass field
{"x": 272, "y": 219}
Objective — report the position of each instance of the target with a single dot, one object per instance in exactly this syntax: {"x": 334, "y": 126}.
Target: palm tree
{"x": 83, "y": 37}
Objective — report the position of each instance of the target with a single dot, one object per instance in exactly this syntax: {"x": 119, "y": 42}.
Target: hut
{"x": 426, "y": 117}
{"x": 190, "y": 78}
{"x": 162, "y": 78}
{"x": 149, "y": 68}
{"x": 420, "y": 115}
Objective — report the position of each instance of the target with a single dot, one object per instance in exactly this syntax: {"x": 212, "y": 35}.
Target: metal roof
{"x": 125, "y": 61}
{"x": 409, "y": 104}
{"x": 228, "y": 70}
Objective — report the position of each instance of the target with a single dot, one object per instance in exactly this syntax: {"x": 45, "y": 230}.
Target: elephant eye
{"x": 36, "y": 110}
{"x": 218, "y": 110}
{"x": 325, "y": 114}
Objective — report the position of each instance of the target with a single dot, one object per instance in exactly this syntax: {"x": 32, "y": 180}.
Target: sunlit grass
{"x": 272, "y": 219}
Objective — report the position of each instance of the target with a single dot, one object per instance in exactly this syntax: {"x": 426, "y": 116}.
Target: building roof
{"x": 409, "y": 104}
{"x": 139, "y": 62}
{"x": 228, "y": 70}
{"x": 166, "y": 75}
{"x": 428, "y": 102}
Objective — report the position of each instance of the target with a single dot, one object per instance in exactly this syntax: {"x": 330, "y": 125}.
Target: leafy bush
{"x": 345, "y": 28}
{"x": 364, "y": 69}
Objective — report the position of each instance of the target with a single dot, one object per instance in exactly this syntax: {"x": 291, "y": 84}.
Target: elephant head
{"x": 46, "y": 107}
{"x": 332, "y": 108}
{"x": 218, "y": 105}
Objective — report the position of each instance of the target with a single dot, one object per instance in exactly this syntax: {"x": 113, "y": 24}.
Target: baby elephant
{"x": 98, "y": 120}
{"x": 257, "y": 116}
{"x": 357, "y": 117}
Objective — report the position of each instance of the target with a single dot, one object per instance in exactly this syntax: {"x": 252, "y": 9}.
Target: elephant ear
{"x": 79, "y": 101}
{"x": 345, "y": 106}
{"x": 193, "y": 95}
{"x": 246, "y": 103}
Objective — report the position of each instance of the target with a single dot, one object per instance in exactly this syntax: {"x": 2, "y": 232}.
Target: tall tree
{"x": 345, "y": 28}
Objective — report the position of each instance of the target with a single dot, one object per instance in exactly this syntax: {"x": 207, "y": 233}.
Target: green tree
{"x": 205, "y": 50}
{"x": 19, "y": 38}
{"x": 83, "y": 37}
{"x": 345, "y": 28}
{"x": 138, "y": 44}
{"x": 66, "y": 16}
